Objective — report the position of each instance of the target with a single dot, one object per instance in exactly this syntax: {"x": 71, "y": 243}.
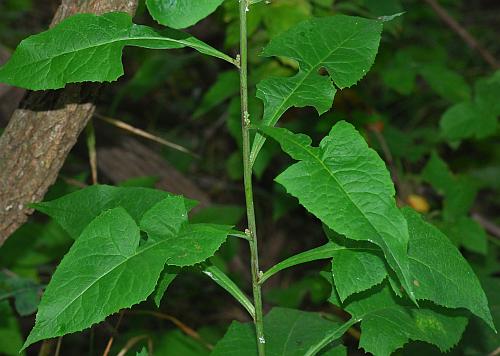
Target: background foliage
{"x": 429, "y": 107}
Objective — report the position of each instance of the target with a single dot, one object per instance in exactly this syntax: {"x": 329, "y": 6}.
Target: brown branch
{"x": 141, "y": 133}
{"x": 41, "y": 133}
{"x": 115, "y": 332}
{"x": 133, "y": 341}
{"x": 470, "y": 40}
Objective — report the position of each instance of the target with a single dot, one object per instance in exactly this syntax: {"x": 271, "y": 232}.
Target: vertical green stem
{"x": 247, "y": 176}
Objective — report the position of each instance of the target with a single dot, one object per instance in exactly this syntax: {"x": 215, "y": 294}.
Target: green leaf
{"x": 188, "y": 244}
{"x": 478, "y": 338}
{"x": 279, "y": 16}
{"x": 143, "y": 352}
{"x": 347, "y": 186}
{"x": 439, "y": 272}
{"x": 466, "y": 232}
{"x": 437, "y": 173}
{"x": 76, "y": 210}
{"x": 87, "y": 47}
{"x": 459, "y": 191}
{"x": 385, "y": 317}
{"x": 10, "y": 334}
{"x": 356, "y": 266}
{"x": 104, "y": 271}
{"x": 487, "y": 91}
{"x": 25, "y": 292}
{"x": 467, "y": 120}
{"x": 108, "y": 267}
{"x": 447, "y": 83}
{"x": 345, "y": 46}
{"x": 225, "y": 282}
{"x": 181, "y": 13}
{"x": 287, "y": 331}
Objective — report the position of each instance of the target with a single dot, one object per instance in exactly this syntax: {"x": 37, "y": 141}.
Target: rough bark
{"x": 43, "y": 130}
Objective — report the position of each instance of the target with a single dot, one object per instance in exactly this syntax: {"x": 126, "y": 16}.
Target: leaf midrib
{"x": 317, "y": 158}
{"x": 108, "y": 272}
{"x": 123, "y": 39}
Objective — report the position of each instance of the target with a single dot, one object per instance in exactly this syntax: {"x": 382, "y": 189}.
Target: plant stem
{"x": 247, "y": 177}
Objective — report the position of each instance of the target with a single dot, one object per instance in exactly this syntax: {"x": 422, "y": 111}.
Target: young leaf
{"x": 347, "y": 186}
{"x": 345, "y": 46}
{"x": 384, "y": 317}
{"x": 104, "y": 271}
{"x": 181, "y": 13}
{"x": 288, "y": 332}
{"x": 76, "y": 210}
{"x": 87, "y": 47}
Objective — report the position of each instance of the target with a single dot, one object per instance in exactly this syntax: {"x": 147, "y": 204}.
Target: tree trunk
{"x": 43, "y": 130}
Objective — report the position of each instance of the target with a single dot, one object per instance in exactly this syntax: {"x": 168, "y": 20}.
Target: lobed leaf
{"x": 88, "y": 47}
{"x": 347, "y": 186}
{"x": 345, "y": 46}
{"x": 108, "y": 269}
{"x": 181, "y": 13}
